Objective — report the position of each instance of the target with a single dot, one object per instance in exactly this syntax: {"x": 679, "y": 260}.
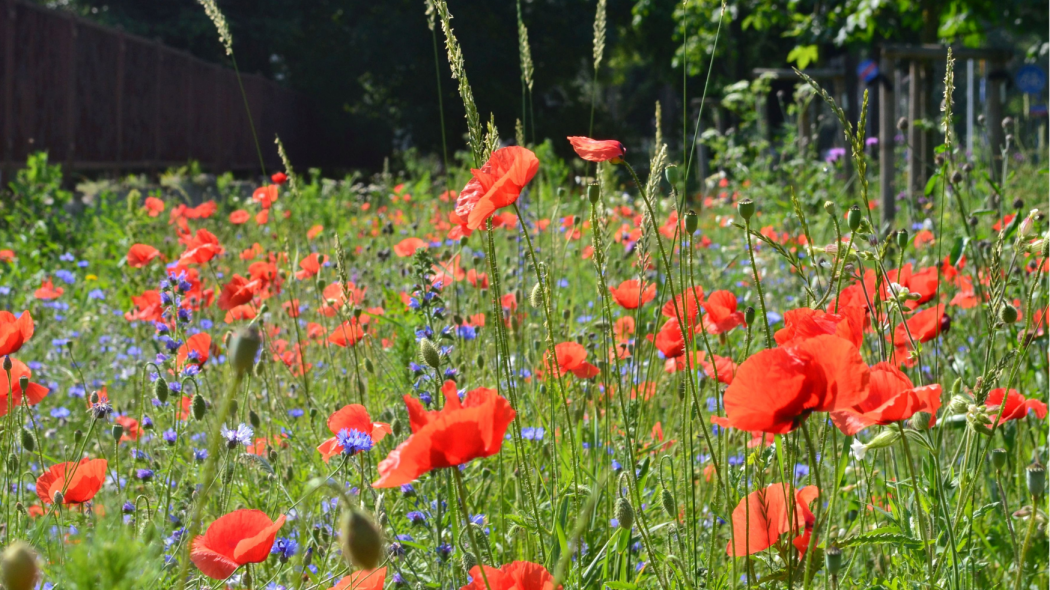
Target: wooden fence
{"x": 98, "y": 99}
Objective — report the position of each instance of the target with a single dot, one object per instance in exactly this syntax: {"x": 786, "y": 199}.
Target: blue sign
{"x": 1031, "y": 79}
{"x": 867, "y": 70}
{"x": 1037, "y": 110}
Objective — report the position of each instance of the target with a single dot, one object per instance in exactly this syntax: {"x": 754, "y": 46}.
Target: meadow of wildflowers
{"x": 530, "y": 373}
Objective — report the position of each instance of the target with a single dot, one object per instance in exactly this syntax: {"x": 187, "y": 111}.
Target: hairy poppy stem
{"x": 1027, "y": 542}
{"x": 461, "y": 496}
{"x": 758, "y": 283}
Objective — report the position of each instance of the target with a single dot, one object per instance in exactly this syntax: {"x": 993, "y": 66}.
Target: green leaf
{"x": 803, "y": 55}
{"x": 957, "y": 250}
{"x": 618, "y": 585}
{"x": 931, "y": 184}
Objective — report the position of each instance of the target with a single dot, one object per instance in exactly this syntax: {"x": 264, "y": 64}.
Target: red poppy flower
{"x": 310, "y": 265}
{"x": 35, "y": 393}
{"x": 891, "y": 397}
{"x": 130, "y": 426}
{"x": 265, "y": 195}
{"x": 237, "y": 292}
{"x": 351, "y": 417}
{"x": 362, "y": 580}
{"x": 48, "y": 291}
{"x": 7, "y": 256}
{"x": 669, "y": 339}
{"x": 688, "y": 304}
{"x": 76, "y": 482}
{"x": 408, "y": 246}
{"x": 195, "y": 350}
{"x": 154, "y": 206}
{"x": 236, "y": 539}
{"x": 201, "y": 248}
{"x": 262, "y": 217}
{"x": 140, "y": 255}
{"x": 803, "y": 323}
{"x": 240, "y": 312}
{"x": 478, "y": 279}
{"x": 1017, "y": 407}
{"x": 775, "y": 389}
{"x": 725, "y": 365}
{"x": 923, "y": 326}
{"x": 720, "y": 313}
{"x": 279, "y": 178}
{"x": 314, "y": 231}
{"x": 764, "y": 515}
{"x": 630, "y": 294}
{"x": 239, "y": 217}
{"x": 570, "y": 358}
{"x": 517, "y": 575}
{"x": 349, "y": 333}
{"x": 14, "y": 332}
{"x": 148, "y": 308}
{"x": 597, "y": 150}
{"x": 497, "y": 184}
{"x": 459, "y": 433}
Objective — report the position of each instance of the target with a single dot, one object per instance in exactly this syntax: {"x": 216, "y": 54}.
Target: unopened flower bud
{"x": 361, "y": 541}
{"x": 19, "y": 566}
{"x": 957, "y": 177}
{"x": 199, "y": 407}
{"x": 831, "y": 208}
{"x": 667, "y": 503}
{"x": 253, "y": 419}
{"x": 160, "y": 389}
{"x": 920, "y": 421}
{"x": 536, "y": 296}
{"x": 1008, "y": 313}
{"x": 7, "y": 363}
{"x": 28, "y": 440}
{"x": 749, "y": 315}
{"x": 243, "y": 346}
{"x": 884, "y": 439}
{"x": 902, "y": 124}
{"x": 594, "y": 192}
{"x": 902, "y": 239}
{"x": 672, "y": 175}
{"x": 429, "y": 351}
{"x": 469, "y": 560}
{"x": 624, "y": 513}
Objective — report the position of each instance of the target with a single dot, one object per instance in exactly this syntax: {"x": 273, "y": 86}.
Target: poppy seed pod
{"x": 1036, "y": 479}
{"x": 429, "y": 351}
{"x": 746, "y": 208}
{"x": 833, "y": 559}
{"x": 28, "y": 440}
{"x": 361, "y": 541}
{"x": 691, "y": 222}
{"x": 1008, "y": 313}
{"x": 19, "y": 565}
{"x": 160, "y": 389}
{"x": 116, "y": 431}
{"x": 672, "y": 175}
{"x": 243, "y": 346}
{"x": 853, "y": 218}
{"x": 199, "y": 407}
{"x": 902, "y": 239}
{"x": 624, "y": 514}
{"x": 999, "y": 457}
{"x": 594, "y": 192}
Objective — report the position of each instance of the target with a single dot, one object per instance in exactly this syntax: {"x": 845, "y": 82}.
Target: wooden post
{"x": 994, "y": 117}
{"x": 158, "y": 66}
{"x": 887, "y": 129}
{"x": 217, "y": 118}
{"x": 71, "y": 95}
{"x": 852, "y": 108}
{"x": 916, "y": 152}
{"x": 9, "y": 92}
{"x": 120, "y": 99}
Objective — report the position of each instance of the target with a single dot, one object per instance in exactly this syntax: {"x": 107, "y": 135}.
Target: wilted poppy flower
{"x": 597, "y": 150}
{"x": 154, "y": 206}
{"x": 408, "y": 246}
{"x": 239, "y": 217}
{"x": 1016, "y": 406}
{"x": 352, "y": 417}
{"x": 803, "y": 323}
{"x": 362, "y": 580}
{"x": 310, "y": 265}
{"x": 764, "y": 515}
{"x": 891, "y": 397}
{"x": 459, "y": 433}
{"x": 140, "y": 255}
{"x": 236, "y": 539}
{"x": 571, "y": 357}
{"x": 35, "y": 392}
{"x": 48, "y": 291}
{"x": 75, "y": 482}
{"x": 720, "y": 313}
{"x": 776, "y": 388}
{"x": 517, "y": 575}
{"x": 497, "y": 184}
{"x": 14, "y": 332}
{"x": 630, "y": 294}
{"x": 265, "y": 195}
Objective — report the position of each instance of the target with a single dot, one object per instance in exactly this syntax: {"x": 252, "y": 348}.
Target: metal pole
{"x": 969, "y": 107}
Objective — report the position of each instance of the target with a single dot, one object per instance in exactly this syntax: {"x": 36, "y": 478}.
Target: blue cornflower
{"x": 60, "y": 413}
{"x": 170, "y": 436}
{"x": 444, "y": 550}
{"x": 296, "y": 412}
{"x": 425, "y": 398}
{"x": 532, "y": 433}
{"x": 353, "y": 441}
{"x": 67, "y": 257}
{"x": 408, "y": 490}
{"x": 97, "y": 294}
{"x": 416, "y": 517}
{"x": 243, "y": 435}
{"x": 467, "y": 332}
{"x": 284, "y": 548}
{"x": 199, "y": 455}
{"x": 144, "y": 474}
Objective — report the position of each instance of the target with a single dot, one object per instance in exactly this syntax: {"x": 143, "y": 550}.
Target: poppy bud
{"x": 946, "y": 323}
{"x": 624, "y": 514}
{"x": 469, "y": 560}
{"x": 902, "y": 239}
{"x": 78, "y": 435}
{"x": 1036, "y": 479}
{"x": 430, "y": 353}
{"x": 28, "y": 440}
{"x": 672, "y": 175}
{"x": 243, "y": 346}
{"x": 264, "y": 308}
{"x": 749, "y": 315}
{"x": 19, "y": 565}
{"x": 480, "y": 362}
{"x": 361, "y": 540}
{"x": 594, "y": 192}
{"x": 94, "y": 397}
{"x": 116, "y": 431}
{"x": 831, "y": 208}
{"x": 58, "y": 497}
{"x": 920, "y": 421}
{"x": 1008, "y": 313}
{"x": 999, "y": 457}
{"x": 746, "y": 208}
{"x": 199, "y": 407}
{"x": 957, "y": 177}
{"x": 853, "y": 218}
{"x": 369, "y": 366}
{"x": 253, "y": 419}
{"x": 833, "y": 559}
{"x": 536, "y": 296}
{"x": 902, "y": 124}
{"x": 667, "y": 502}
{"x": 160, "y": 389}
{"x": 691, "y": 222}
{"x": 396, "y": 426}
{"x": 7, "y": 363}
{"x": 884, "y": 439}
